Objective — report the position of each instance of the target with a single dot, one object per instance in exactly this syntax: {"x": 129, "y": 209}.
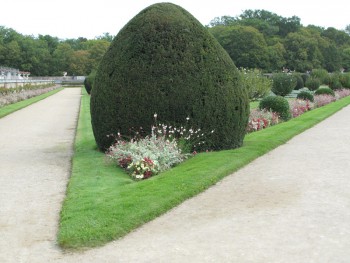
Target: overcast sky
{"x": 89, "y": 18}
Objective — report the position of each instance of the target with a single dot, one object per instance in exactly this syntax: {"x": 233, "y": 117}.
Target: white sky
{"x": 90, "y": 18}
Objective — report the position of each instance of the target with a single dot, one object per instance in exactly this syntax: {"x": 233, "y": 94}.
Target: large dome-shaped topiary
{"x": 164, "y": 61}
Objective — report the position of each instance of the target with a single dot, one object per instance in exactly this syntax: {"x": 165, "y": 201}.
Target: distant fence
{"x": 68, "y": 80}
{"x": 14, "y": 83}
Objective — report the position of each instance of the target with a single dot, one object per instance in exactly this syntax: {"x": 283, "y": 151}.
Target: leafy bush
{"x": 321, "y": 100}
{"x": 299, "y": 81}
{"x": 321, "y": 74}
{"x": 324, "y": 90}
{"x": 334, "y": 82}
{"x": 257, "y": 85}
{"x": 276, "y": 104}
{"x": 298, "y": 107}
{"x": 345, "y": 80}
{"x": 165, "y": 61}
{"x": 146, "y": 157}
{"x": 305, "y": 77}
{"x": 304, "y": 95}
{"x": 261, "y": 119}
{"x": 283, "y": 84}
{"x": 89, "y": 81}
{"x": 313, "y": 83}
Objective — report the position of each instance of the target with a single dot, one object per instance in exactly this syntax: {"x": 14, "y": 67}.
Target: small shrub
{"x": 345, "y": 80}
{"x": 322, "y": 75}
{"x": 324, "y": 99}
{"x": 276, "y": 104}
{"x": 305, "y": 77}
{"x": 304, "y": 95}
{"x": 257, "y": 85}
{"x": 89, "y": 81}
{"x": 313, "y": 83}
{"x": 299, "y": 81}
{"x": 298, "y": 107}
{"x": 145, "y": 157}
{"x": 261, "y": 119}
{"x": 324, "y": 90}
{"x": 283, "y": 84}
{"x": 334, "y": 82}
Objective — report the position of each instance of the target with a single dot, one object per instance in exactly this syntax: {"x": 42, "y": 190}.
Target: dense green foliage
{"x": 304, "y": 95}
{"x": 345, "y": 80}
{"x": 334, "y": 81}
{"x": 313, "y": 83}
{"x": 49, "y": 56}
{"x": 257, "y": 85}
{"x": 299, "y": 80}
{"x": 283, "y": 84}
{"x": 324, "y": 90}
{"x": 276, "y": 104}
{"x": 322, "y": 75}
{"x": 164, "y": 61}
{"x": 89, "y": 81}
{"x": 282, "y": 42}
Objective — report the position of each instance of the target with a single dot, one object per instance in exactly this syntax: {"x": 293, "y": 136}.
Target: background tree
{"x": 245, "y": 45}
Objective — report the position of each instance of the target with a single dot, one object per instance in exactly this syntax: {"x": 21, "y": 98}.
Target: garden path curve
{"x": 290, "y": 205}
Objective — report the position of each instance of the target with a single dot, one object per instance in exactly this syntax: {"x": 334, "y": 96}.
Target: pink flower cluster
{"x": 341, "y": 93}
{"x": 298, "y": 107}
{"x": 324, "y": 99}
{"x": 261, "y": 119}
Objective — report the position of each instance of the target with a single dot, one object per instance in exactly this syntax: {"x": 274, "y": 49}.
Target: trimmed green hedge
{"x": 164, "y": 61}
{"x": 276, "y": 104}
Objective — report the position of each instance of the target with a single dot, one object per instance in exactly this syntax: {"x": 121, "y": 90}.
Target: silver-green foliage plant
{"x": 257, "y": 85}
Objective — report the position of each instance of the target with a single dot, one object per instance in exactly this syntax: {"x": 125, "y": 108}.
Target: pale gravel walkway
{"x": 35, "y": 154}
{"x": 291, "y": 205}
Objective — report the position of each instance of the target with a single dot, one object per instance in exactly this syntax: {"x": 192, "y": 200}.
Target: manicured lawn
{"x": 6, "y": 110}
{"x": 104, "y": 204}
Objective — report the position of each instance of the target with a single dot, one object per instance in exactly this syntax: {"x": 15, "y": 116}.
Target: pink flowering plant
{"x": 324, "y": 99}
{"x": 261, "y": 119}
{"x": 341, "y": 93}
{"x": 298, "y": 107}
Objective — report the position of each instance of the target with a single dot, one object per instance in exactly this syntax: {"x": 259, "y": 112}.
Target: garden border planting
{"x": 103, "y": 203}
{"x": 8, "y": 109}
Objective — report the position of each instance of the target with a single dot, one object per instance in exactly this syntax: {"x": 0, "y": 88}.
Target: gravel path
{"x": 290, "y": 205}
{"x": 36, "y": 148}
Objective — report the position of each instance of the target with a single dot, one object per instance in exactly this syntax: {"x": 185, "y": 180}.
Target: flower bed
{"x": 261, "y": 119}
{"x": 10, "y": 96}
{"x": 143, "y": 157}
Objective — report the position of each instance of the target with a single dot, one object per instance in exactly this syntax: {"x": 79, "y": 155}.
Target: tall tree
{"x": 245, "y": 44}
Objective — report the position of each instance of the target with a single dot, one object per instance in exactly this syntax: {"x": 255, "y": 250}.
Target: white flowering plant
{"x": 166, "y": 146}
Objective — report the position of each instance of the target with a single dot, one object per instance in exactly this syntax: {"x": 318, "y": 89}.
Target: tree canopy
{"x": 49, "y": 56}
{"x": 279, "y": 42}
{"x": 255, "y": 39}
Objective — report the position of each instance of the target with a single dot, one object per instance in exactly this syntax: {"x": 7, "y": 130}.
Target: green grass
{"x": 254, "y": 104}
{"x": 6, "y": 110}
{"x": 104, "y": 204}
